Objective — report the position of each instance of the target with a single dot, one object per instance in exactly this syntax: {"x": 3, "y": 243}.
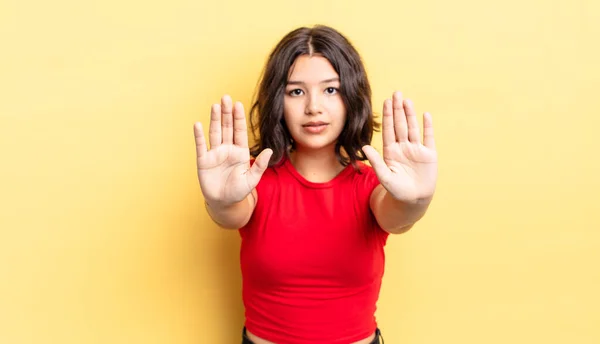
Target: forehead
{"x": 311, "y": 69}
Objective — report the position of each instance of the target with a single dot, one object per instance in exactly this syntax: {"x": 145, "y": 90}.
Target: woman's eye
{"x": 296, "y": 92}
{"x": 331, "y": 90}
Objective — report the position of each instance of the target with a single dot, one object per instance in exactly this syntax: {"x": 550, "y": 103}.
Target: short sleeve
{"x": 367, "y": 182}
{"x": 370, "y": 180}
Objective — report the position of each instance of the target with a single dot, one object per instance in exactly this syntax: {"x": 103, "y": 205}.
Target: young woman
{"x": 313, "y": 218}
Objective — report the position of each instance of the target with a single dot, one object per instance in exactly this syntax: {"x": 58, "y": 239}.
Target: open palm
{"x": 408, "y": 169}
{"x": 224, "y": 171}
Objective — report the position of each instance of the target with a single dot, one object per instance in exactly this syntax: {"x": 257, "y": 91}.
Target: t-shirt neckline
{"x": 290, "y": 167}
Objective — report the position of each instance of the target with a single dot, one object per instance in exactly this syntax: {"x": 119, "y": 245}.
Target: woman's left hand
{"x": 408, "y": 169}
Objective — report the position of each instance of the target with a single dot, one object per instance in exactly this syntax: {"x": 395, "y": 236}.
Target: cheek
{"x": 339, "y": 111}
{"x": 288, "y": 110}
{"x": 336, "y": 106}
{"x": 289, "y": 124}
{"x": 341, "y": 122}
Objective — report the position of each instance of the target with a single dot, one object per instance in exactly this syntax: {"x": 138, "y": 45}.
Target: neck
{"x": 316, "y": 166}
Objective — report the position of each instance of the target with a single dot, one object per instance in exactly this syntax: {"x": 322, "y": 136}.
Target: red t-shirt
{"x": 312, "y": 258}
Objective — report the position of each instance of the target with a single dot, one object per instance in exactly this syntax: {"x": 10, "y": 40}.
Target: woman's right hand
{"x": 224, "y": 171}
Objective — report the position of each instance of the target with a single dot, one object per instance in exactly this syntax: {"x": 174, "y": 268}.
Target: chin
{"x": 315, "y": 145}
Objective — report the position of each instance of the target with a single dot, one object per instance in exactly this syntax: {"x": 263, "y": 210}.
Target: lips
{"x": 314, "y": 124}
{"x": 315, "y": 127}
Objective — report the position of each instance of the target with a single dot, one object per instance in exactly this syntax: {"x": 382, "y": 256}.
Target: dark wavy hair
{"x": 267, "y": 109}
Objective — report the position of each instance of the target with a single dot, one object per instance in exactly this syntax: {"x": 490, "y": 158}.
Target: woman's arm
{"x": 233, "y": 216}
{"x": 396, "y": 216}
{"x": 408, "y": 169}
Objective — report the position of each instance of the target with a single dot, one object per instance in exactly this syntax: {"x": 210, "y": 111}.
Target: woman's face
{"x": 314, "y": 110}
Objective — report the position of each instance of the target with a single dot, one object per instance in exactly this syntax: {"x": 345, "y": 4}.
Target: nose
{"x": 313, "y": 105}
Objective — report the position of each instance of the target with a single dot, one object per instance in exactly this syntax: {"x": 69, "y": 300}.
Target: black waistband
{"x": 377, "y": 340}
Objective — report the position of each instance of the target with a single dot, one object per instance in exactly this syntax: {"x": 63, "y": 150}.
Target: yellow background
{"x": 103, "y": 236}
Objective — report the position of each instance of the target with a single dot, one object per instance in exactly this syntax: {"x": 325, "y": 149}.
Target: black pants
{"x": 377, "y": 340}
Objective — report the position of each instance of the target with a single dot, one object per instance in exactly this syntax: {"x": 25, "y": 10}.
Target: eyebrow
{"x": 292, "y": 82}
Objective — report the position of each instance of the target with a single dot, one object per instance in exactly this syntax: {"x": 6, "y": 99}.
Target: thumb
{"x": 259, "y": 167}
{"x": 380, "y": 167}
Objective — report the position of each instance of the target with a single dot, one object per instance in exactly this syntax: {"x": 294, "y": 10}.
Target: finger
{"x": 259, "y": 167}
{"x": 227, "y": 119}
{"x": 377, "y": 162}
{"x": 214, "y": 131}
{"x": 388, "y": 135}
{"x": 428, "y": 139}
{"x": 200, "y": 141}
{"x": 240, "y": 130}
{"x": 400, "y": 126}
{"x": 414, "y": 133}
